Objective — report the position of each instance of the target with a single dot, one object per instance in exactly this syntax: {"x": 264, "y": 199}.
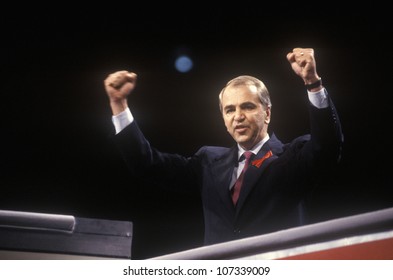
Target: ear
{"x": 268, "y": 113}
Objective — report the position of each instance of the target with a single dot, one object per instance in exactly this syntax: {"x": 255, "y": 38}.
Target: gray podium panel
{"x": 28, "y": 235}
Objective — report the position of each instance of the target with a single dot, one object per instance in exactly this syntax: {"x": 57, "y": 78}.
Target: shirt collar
{"x": 254, "y": 149}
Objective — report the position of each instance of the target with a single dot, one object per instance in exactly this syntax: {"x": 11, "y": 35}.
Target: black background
{"x": 56, "y": 151}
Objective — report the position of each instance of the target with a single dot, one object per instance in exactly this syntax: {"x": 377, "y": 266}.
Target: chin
{"x": 243, "y": 143}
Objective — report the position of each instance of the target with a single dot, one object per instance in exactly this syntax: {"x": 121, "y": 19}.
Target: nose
{"x": 239, "y": 116}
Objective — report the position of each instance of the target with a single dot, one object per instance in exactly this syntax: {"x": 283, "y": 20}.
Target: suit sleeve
{"x": 326, "y": 135}
{"x": 310, "y": 159}
{"x": 171, "y": 171}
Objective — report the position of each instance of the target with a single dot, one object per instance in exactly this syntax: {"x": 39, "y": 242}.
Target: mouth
{"x": 240, "y": 128}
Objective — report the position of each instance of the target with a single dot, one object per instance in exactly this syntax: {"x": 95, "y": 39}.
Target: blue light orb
{"x": 183, "y": 64}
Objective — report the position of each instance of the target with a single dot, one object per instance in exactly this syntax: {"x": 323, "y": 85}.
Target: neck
{"x": 256, "y": 147}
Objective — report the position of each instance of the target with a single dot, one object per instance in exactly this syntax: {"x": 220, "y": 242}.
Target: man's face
{"x": 245, "y": 117}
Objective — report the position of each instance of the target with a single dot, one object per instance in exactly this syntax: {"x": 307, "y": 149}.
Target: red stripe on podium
{"x": 373, "y": 250}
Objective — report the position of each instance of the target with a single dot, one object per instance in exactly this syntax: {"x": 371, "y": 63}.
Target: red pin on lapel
{"x": 258, "y": 162}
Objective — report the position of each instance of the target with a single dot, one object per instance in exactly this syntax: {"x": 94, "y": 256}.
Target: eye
{"x": 229, "y": 110}
{"x": 248, "y": 106}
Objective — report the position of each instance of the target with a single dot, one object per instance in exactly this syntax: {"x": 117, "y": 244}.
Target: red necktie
{"x": 238, "y": 184}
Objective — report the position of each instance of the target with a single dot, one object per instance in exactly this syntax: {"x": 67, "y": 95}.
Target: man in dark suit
{"x": 278, "y": 175}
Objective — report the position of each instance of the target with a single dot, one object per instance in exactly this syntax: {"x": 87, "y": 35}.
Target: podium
{"x": 367, "y": 236}
{"x": 30, "y": 235}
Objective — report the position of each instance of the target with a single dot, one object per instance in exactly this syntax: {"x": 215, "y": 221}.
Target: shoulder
{"x": 297, "y": 143}
{"x": 210, "y": 154}
{"x": 213, "y": 151}
{"x": 301, "y": 139}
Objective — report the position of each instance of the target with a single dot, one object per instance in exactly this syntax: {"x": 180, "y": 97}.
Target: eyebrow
{"x": 241, "y": 104}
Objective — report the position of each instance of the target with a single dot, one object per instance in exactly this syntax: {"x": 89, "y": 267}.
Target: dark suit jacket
{"x": 274, "y": 185}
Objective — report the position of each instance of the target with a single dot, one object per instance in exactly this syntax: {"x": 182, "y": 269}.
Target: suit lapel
{"x": 259, "y": 163}
{"x": 222, "y": 170}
